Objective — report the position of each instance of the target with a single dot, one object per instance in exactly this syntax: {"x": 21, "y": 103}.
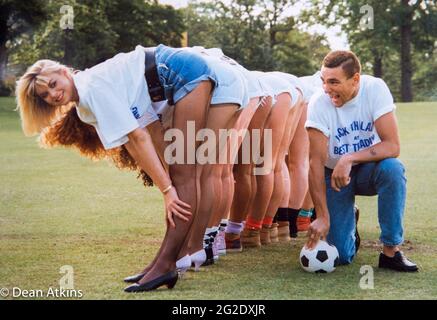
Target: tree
{"x": 412, "y": 15}
{"x": 258, "y": 34}
{"x": 400, "y": 26}
{"x": 101, "y": 29}
{"x": 273, "y": 16}
{"x": 90, "y": 41}
{"x": 234, "y": 27}
{"x": 299, "y": 53}
{"x": 144, "y": 22}
{"x": 16, "y": 18}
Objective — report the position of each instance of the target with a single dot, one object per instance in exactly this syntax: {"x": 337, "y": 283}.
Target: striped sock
{"x": 234, "y": 227}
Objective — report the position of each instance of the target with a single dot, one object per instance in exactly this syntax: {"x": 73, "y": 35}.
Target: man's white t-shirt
{"x": 114, "y": 97}
{"x": 350, "y": 128}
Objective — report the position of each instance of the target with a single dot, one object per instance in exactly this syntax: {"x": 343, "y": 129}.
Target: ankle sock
{"x": 253, "y": 224}
{"x": 267, "y": 221}
{"x": 306, "y": 213}
{"x": 234, "y": 227}
{"x": 292, "y": 220}
{"x": 211, "y": 231}
{"x": 281, "y": 215}
{"x": 223, "y": 224}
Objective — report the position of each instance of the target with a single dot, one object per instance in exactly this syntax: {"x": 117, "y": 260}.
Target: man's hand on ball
{"x": 318, "y": 229}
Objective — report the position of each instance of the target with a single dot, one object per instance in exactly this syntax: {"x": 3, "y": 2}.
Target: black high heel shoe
{"x": 134, "y": 278}
{"x": 169, "y": 279}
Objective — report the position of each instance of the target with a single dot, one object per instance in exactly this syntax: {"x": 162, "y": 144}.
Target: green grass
{"x": 57, "y": 209}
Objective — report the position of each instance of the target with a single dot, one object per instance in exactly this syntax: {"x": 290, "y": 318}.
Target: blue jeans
{"x": 386, "y": 179}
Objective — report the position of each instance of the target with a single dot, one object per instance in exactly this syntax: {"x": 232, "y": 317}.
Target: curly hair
{"x": 61, "y": 126}
{"x": 70, "y": 131}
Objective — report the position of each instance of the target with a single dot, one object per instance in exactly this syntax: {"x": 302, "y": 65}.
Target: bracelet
{"x": 167, "y": 189}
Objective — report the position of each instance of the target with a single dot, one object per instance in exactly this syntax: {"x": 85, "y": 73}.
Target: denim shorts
{"x": 181, "y": 71}
{"x": 230, "y": 84}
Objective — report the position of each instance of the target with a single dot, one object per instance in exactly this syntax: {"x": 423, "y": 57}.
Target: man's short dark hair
{"x": 346, "y": 59}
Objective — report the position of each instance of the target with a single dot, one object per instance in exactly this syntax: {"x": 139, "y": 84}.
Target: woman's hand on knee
{"x": 175, "y": 207}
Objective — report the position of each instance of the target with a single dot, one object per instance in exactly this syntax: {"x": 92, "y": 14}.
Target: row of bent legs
{"x": 203, "y": 186}
{"x": 259, "y": 196}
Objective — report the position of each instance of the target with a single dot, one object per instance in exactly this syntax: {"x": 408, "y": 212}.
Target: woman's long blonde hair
{"x": 61, "y": 126}
{"x": 35, "y": 113}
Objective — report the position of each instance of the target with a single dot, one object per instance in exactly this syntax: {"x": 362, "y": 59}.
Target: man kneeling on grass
{"x": 354, "y": 145}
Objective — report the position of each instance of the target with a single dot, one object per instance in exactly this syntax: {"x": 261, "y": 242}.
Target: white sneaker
{"x": 221, "y": 242}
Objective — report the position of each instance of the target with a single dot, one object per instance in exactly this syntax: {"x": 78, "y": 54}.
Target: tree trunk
{"x": 377, "y": 66}
{"x": 3, "y": 61}
{"x": 406, "y": 66}
{"x": 68, "y": 48}
{"x": 3, "y": 50}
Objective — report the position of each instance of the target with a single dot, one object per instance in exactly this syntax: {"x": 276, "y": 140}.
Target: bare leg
{"x": 286, "y": 179}
{"x": 219, "y": 117}
{"x": 265, "y": 183}
{"x": 298, "y": 163}
{"x": 279, "y": 177}
{"x": 307, "y": 202}
{"x": 193, "y": 107}
{"x": 224, "y": 205}
{"x": 245, "y": 182}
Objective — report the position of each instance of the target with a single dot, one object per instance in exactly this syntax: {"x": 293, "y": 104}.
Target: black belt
{"x": 156, "y": 90}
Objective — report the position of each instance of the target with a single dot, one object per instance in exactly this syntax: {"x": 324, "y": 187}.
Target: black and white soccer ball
{"x": 322, "y": 259}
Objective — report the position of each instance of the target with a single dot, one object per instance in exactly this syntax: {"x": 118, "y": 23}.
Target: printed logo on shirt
{"x": 135, "y": 112}
{"x": 359, "y": 142}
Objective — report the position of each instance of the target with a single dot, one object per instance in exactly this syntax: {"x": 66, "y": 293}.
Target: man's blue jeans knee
{"x": 385, "y": 178}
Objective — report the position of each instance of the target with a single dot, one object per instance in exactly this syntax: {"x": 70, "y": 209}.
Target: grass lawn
{"x": 57, "y": 209}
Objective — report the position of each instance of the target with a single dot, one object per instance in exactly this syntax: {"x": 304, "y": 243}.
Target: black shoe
{"x": 134, "y": 278}
{"x": 357, "y": 235}
{"x": 399, "y": 263}
{"x": 169, "y": 279}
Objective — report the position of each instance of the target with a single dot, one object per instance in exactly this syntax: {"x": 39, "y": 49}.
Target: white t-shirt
{"x": 275, "y": 83}
{"x": 309, "y": 85}
{"x": 350, "y": 128}
{"x": 114, "y": 97}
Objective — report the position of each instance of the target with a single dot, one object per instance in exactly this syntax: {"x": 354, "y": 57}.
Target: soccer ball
{"x": 322, "y": 259}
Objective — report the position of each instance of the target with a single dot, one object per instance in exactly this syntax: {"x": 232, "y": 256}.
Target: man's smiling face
{"x": 338, "y": 86}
